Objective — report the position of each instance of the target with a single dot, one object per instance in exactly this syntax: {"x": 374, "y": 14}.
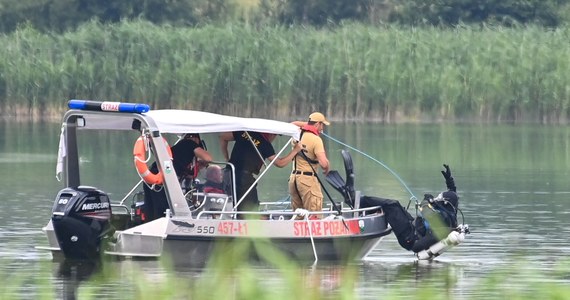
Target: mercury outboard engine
{"x": 81, "y": 218}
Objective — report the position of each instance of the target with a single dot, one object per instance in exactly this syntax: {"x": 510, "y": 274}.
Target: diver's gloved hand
{"x": 428, "y": 198}
{"x": 448, "y": 178}
{"x": 447, "y": 172}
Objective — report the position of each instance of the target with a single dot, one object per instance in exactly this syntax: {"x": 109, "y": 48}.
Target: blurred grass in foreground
{"x": 231, "y": 275}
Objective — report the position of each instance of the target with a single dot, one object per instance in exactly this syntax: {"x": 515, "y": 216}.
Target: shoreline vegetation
{"x": 352, "y": 72}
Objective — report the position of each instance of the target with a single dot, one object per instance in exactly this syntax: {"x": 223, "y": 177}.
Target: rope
{"x": 131, "y": 191}
{"x": 312, "y": 239}
{"x": 147, "y": 148}
{"x": 306, "y": 213}
{"x": 148, "y": 155}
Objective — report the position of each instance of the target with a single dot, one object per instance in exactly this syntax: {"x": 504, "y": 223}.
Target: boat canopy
{"x": 174, "y": 121}
{"x": 190, "y": 121}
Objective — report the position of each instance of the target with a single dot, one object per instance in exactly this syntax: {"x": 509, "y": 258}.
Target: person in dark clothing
{"x": 437, "y": 216}
{"x": 188, "y": 155}
{"x": 248, "y": 154}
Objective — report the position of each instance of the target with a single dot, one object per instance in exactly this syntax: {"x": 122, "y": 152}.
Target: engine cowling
{"x": 81, "y": 219}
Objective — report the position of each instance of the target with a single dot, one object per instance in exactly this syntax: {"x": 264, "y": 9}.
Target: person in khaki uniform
{"x": 304, "y": 186}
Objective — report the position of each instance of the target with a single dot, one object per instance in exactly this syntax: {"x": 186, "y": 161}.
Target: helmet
{"x": 449, "y": 196}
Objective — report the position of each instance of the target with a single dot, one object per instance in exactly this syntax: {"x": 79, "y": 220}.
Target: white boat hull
{"x": 191, "y": 241}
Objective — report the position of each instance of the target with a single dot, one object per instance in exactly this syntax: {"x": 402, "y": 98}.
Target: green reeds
{"x": 234, "y": 277}
{"x": 351, "y": 72}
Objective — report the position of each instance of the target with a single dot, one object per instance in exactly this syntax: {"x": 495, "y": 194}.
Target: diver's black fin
{"x": 349, "y": 168}
{"x": 336, "y": 181}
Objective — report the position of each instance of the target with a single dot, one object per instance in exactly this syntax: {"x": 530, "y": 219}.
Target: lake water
{"x": 512, "y": 180}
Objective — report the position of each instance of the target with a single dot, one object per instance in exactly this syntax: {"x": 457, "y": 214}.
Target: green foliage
{"x": 321, "y": 12}
{"x": 352, "y": 72}
{"x": 63, "y": 15}
{"x": 500, "y": 12}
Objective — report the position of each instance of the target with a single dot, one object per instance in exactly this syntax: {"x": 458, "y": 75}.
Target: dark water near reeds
{"x": 512, "y": 180}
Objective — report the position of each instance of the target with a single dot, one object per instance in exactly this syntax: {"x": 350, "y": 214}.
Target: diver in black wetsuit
{"x": 437, "y": 216}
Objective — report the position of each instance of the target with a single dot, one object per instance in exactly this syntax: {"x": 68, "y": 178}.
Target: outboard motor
{"x": 81, "y": 218}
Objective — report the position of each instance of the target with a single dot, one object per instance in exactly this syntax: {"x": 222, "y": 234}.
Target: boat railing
{"x": 121, "y": 216}
{"x": 115, "y": 208}
{"x": 281, "y": 215}
{"x": 287, "y": 204}
{"x": 131, "y": 192}
{"x": 282, "y": 204}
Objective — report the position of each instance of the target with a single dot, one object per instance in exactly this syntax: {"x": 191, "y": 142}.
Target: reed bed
{"x": 350, "y": 72}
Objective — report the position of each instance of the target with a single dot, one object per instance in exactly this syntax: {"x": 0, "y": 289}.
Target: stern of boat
{"x": 53, "y": 245}
{"x": 143, "y": 241}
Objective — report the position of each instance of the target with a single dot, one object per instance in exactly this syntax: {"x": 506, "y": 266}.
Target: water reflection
{"x": 321, "y": 281}
{"x": 71, "y": 275}
{"x": 419, "y": 270}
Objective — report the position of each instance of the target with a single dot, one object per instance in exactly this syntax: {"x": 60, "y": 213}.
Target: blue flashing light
{"x": 108, "y": 106}
{"x": 134, "y": 107}
{"x": 77, "y": 104}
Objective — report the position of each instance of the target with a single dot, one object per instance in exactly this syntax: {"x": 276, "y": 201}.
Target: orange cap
{"x": 318, "y": 117}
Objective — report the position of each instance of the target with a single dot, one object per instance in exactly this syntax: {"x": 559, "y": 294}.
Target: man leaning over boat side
{"x": 247, "y": 161}
{"x": 304, "y": 186}
{"x": 188, "y": 155}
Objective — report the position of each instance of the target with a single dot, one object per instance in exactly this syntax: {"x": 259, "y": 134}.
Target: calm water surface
{"x": 512, "y": 180}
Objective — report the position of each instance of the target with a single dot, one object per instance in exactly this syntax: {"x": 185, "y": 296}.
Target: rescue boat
{"x": 88, "y": 223}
